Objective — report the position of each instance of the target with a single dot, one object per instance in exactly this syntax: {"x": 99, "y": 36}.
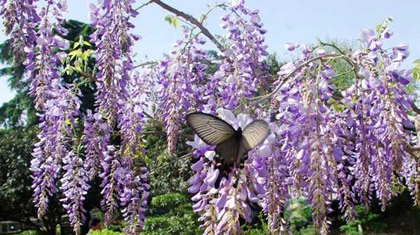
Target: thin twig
{"x": 331, "y": 45}
{"x": 143, "y": 5}
{"x": 262, "y": 98}
{"x": 192, "y": 20}
{"x": 415, "y": 108}
{"x": 145, "y": 64}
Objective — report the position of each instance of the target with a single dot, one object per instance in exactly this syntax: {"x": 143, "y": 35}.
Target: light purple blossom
{"x": 75, "y": 187}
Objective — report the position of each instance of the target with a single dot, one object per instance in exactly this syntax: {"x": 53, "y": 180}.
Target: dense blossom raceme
{"x": 57, "y": 103}
{"x": 54, "y": 143}
{"x": 43, "y": 63}
{"x": 269, "y": 169}
{"x": 134, "y": 195}
{"x": 96, "y": 139}
{"x": 241, "y": 71}
{"x": 113, "y": 43}
{"x": 383, "y": 93}
{"x": 121, "y": 99}
{"x": 180, "y": 73}
{"x": 111, "y": 182}
{"x": 75, "y": 187}
{"x": 131, "y": 114}
{"x": 20, "y": 18}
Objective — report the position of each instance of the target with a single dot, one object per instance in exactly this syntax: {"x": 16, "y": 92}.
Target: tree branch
{"x": 143, "y": 5}
{"x": 415, "y": 108}
{"x": 146, "y": 64}
{"x": 192, "y": 20}
{"x": 260, "y": 99}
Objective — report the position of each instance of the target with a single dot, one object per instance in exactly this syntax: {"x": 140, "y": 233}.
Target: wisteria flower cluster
{"x": 325, "y": 144}
{"x": 120, "y": 99}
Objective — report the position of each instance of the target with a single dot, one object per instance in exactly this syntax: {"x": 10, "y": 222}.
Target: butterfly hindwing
{"x": 254, "y": 134}
{"x": 210, "y": 129}
{"x": 228, "y": 152}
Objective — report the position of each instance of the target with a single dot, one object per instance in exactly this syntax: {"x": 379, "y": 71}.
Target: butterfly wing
{"x": 228, "y": 155}
{"x": 209, "y": 128}
{"x": 254, "y": 134}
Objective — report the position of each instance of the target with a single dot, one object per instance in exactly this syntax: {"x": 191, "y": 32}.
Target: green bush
{"x": 104, "y": 232}
{"x": 168, "y": 201}
{"x": 29, "y": 232}
{"x": 171, "y": 213}
{"x": 165, "y": 224}
{"x": 367, "y": 221}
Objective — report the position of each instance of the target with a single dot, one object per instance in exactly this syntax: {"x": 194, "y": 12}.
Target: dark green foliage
{"x": 309, "y": 230}
{"x": 298, "y": 212}
{"x": 171, "y": 214}
{"x": 15, "y": 181}
{"x": 168, "y": 173}
{"x": 259, "y": 226}
{"x": 365, "y": 221}
{"x": 12, "y": 113}
{"x": 104, "y": 232}
{"x": 400, "y": 217}
{"x": 168, "y": 201}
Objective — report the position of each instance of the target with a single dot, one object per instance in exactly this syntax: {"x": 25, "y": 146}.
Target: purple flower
{"x": 400, "y": 53}
{"x": 291, "y": 46}
{"x": 75, "y": 187}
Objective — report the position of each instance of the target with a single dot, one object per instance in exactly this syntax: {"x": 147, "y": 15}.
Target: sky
{"x": 299, "y": 21}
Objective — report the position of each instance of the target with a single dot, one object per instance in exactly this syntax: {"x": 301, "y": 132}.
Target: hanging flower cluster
{"x": 57, "y": 105}
{"x": 180, "y": 73}
{"x": 121, "y": 99}
{"x": 96, "y": 138}
{"x": 20, "y": 19}
{"x": 241, "y": 71}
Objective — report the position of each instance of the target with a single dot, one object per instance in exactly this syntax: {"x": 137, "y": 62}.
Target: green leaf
{"x": 172, "y": 20}
{"x": 75, "y": 53}
{"x": 168, "y": 19}
{"x": 76, "y": 44}
{"x": 175, "y": 22}
{"x": 87, "y": 43}
{"x": 67, "y": 122}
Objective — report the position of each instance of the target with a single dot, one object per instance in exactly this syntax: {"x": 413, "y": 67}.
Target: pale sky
{"x": 301, "y": 21}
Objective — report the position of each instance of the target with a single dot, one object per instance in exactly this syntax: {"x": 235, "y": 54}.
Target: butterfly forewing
{"x": 210, "y": 129}
{"x": 254, "y": 134}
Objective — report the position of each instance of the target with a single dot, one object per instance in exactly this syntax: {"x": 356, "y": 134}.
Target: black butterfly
{"x": 231, "y": 145}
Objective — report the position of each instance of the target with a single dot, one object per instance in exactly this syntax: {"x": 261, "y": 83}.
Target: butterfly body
{"x": 230, "y": 152}
{"x": 232, "y": 145}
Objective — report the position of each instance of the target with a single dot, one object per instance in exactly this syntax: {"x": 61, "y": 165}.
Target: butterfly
{"x": 232, "y": 145}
